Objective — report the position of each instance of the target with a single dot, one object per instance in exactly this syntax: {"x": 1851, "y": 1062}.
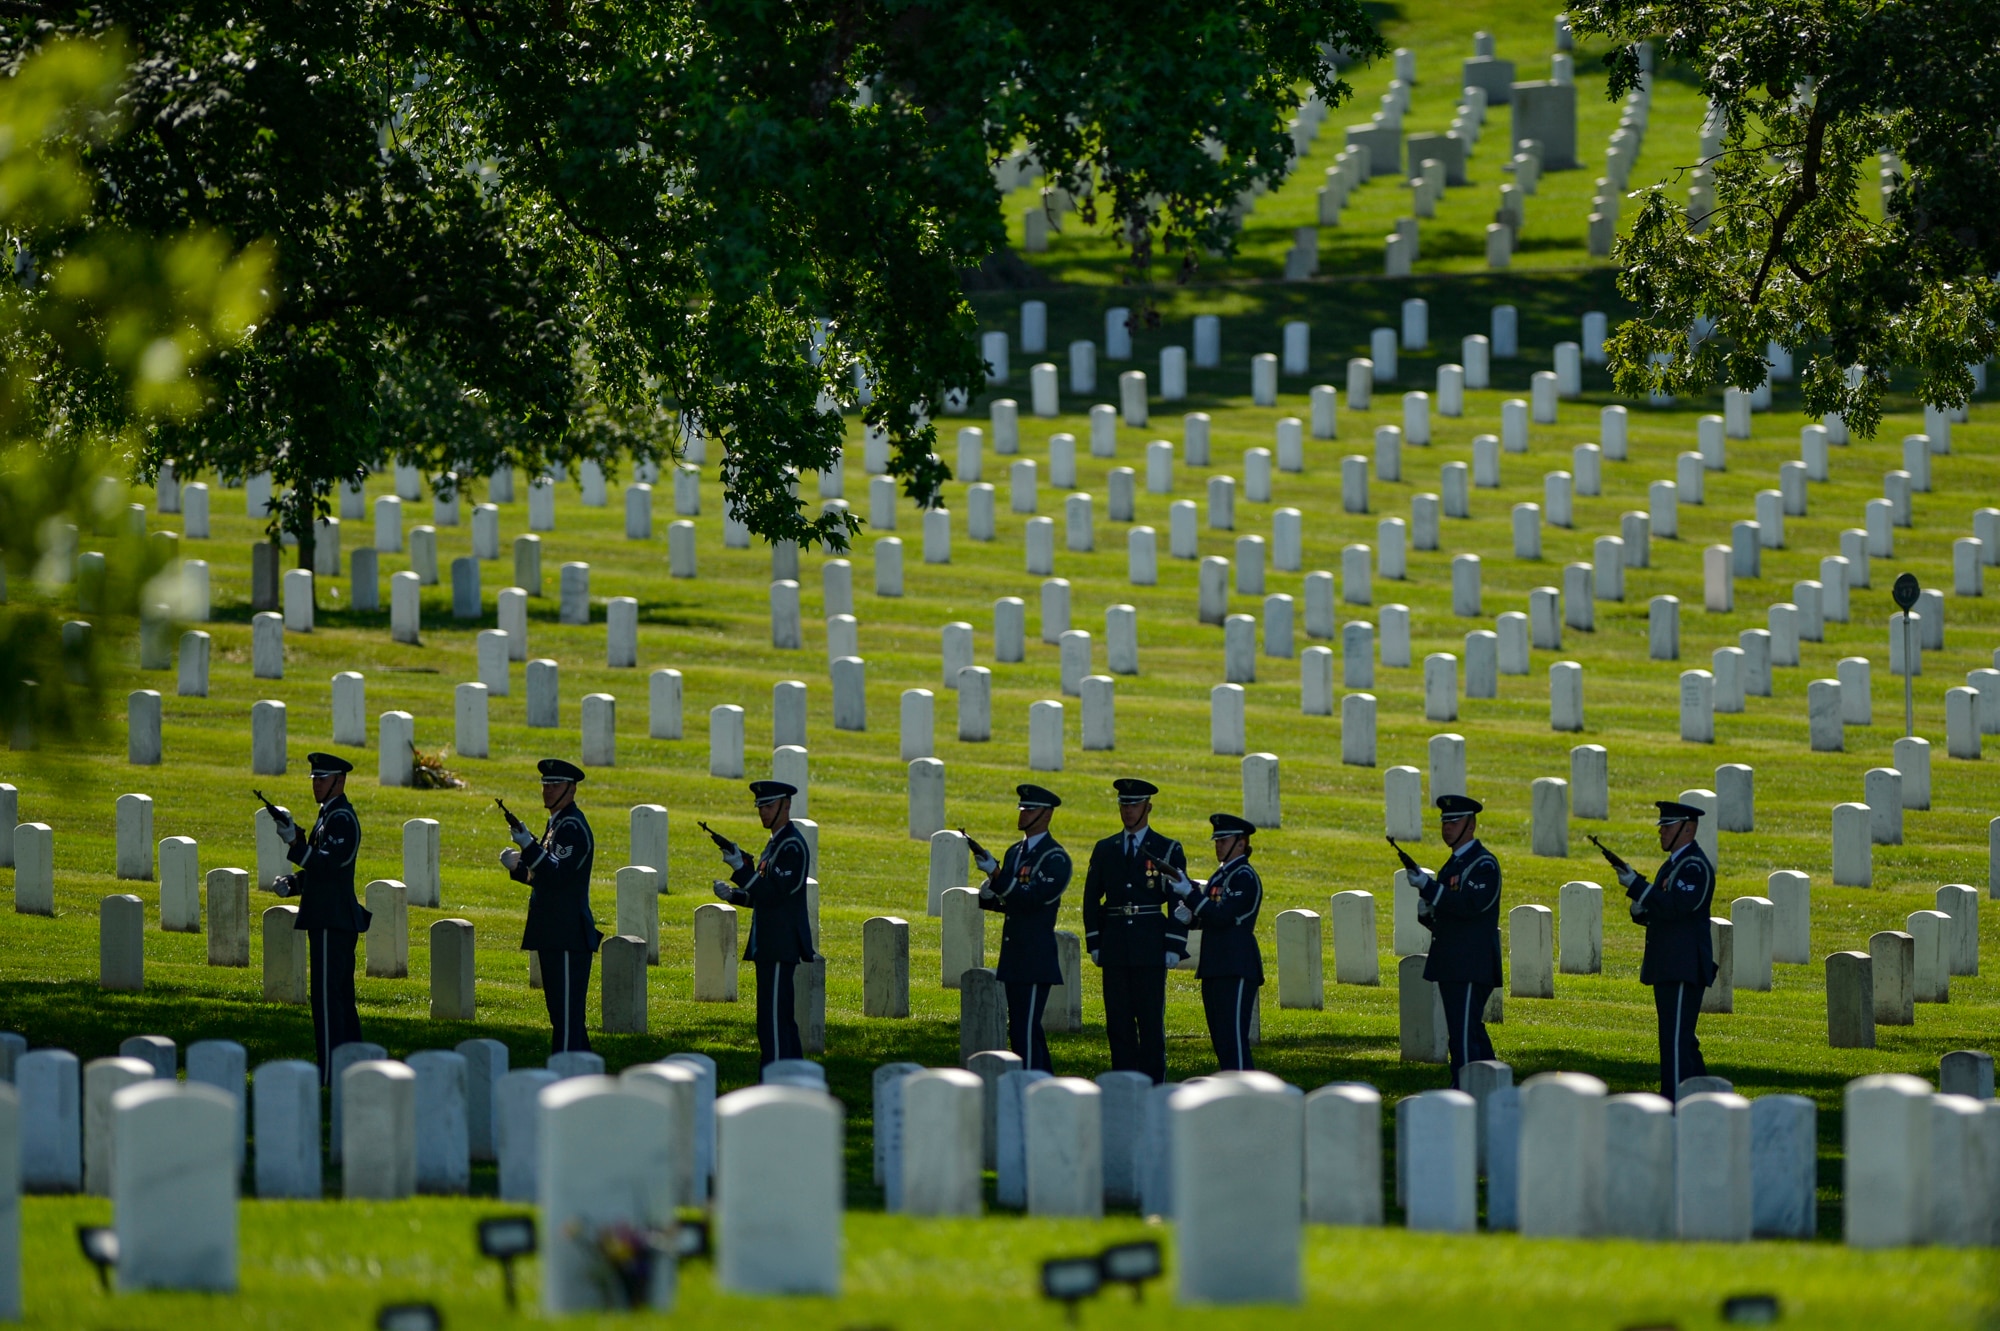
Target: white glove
{"x": 1094, "y": 961}
{"x": 1183, "y": 886}
{"x": 509, "y": 859}
{"x": 1627, "y": 877}
{"x": 735, "y": 858}
{"x": 986, "y": 862}
{"x": 1183, "y": 914}
{"x": 988, "y": 894}
{"x": 1173, "y": 960}
{"x": 282, "y": 823}
{"x": 522, "y": 836}
{"x": 726, "y": 891}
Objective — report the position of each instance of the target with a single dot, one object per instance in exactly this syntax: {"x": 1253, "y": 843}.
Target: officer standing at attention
{"x": 1128, "y": 933}
{"x": 1460, "y": 905}
{"x": 561, "y": 929}
{"x": 1026, "y": 886}
{"x": 1232, "y": 966}
{"x": 328, "y": 912}
{"x": 1680, "y": 956}
{"x": 774, "y": 887}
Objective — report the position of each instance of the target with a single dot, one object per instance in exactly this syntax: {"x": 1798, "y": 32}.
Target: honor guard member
{"x": 1128, "y": 933}
{"x": 329, "y": 914}
{"x": 1026, "y": 885}
{"x": 774, "y": 887}
{"x": 1460, "y": 905}
{"x": 1232, "y": 967}
{"x": 1680, "y": 956}
{"x": 561, "y": 929}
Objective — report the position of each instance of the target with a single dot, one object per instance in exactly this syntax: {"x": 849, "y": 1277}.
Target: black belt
{"x": 1131, "y": 910}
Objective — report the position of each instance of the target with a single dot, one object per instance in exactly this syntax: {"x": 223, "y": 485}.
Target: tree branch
{"x": 1807, "y": 191}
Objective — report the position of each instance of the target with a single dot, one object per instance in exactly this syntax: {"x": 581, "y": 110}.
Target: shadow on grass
{"x": 436, "y": 611}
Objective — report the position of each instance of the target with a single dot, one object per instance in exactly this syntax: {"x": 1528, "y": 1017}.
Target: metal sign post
{"x": 1906, "y": 592}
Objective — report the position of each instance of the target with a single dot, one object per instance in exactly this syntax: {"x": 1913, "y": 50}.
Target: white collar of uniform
{"x": 1225, "y": 868}
{"x": 1462, "y": 848}
{"x": 1033, "y": 841}
{"x": 1683, "y": 850}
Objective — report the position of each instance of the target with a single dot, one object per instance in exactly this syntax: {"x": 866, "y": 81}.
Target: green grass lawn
{"x": 714, "y": 629}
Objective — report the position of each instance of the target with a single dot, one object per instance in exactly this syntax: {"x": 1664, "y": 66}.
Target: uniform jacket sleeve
{"x": 776, "y": 875}
{"x": 1093, "y": 897}
{"x": 1176, "y": 931}
{"x": 1477, "y": 892}
{"x": 332, "y": 846}
{"x": 560, "y": 858}
{"x": 1680, "y": 891}
{"x": 1231, "y": 899}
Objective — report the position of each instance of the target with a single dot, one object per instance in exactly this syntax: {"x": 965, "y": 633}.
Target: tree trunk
{"x": 304, "y": 531}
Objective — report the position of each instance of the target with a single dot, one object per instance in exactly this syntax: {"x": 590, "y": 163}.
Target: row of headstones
{"x": 589, "y": 1148}
{"x": 1295, "y": 337}
{"x": 1583, "y": 581}
{"x": 1621, "y": 154}
{"x": 143, "y": 745}
{"x": 1863, "y": 989}
{"x": 1563, "y": 1159}
{"x": 467, "y": 1106}
{"x": 469, "y": 576}
{"x": 1749, "y": 537}
{"x": 1241, "y": 1160}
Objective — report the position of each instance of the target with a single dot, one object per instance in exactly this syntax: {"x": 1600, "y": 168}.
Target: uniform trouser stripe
{"x": 1680, "y": 997}
{"x": 1465, "y": 1030}
{"x": 775, "y": 1047}
{"x": 325, "y": 1032}
{"x": 1242, "y": 1055}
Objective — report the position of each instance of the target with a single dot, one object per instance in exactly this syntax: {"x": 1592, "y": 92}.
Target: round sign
{"x": 1906, "y": 591}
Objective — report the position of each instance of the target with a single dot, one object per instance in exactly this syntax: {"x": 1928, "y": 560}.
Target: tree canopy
{"x": 531, "y": 233}
{"x": 137, "y": 319}
{"x": 1811, "y": 91}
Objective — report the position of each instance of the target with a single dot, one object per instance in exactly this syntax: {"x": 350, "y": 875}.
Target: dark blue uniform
{"x": 1460, "y": 905}
{"x": 1127, "y": 929}
{"x": 774, "y": 887}
{"x": 1680, "y": 956}
{"x": 332, "y": 920}
{"x": 1232, "y": 966}
{"x": 561, "y": 927}
{"x": 1027, "y": 889}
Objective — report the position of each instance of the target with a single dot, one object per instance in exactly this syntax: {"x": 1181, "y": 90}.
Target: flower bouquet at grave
{"x": 625, "y": 1256}
{"x": 428, "y": 772}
